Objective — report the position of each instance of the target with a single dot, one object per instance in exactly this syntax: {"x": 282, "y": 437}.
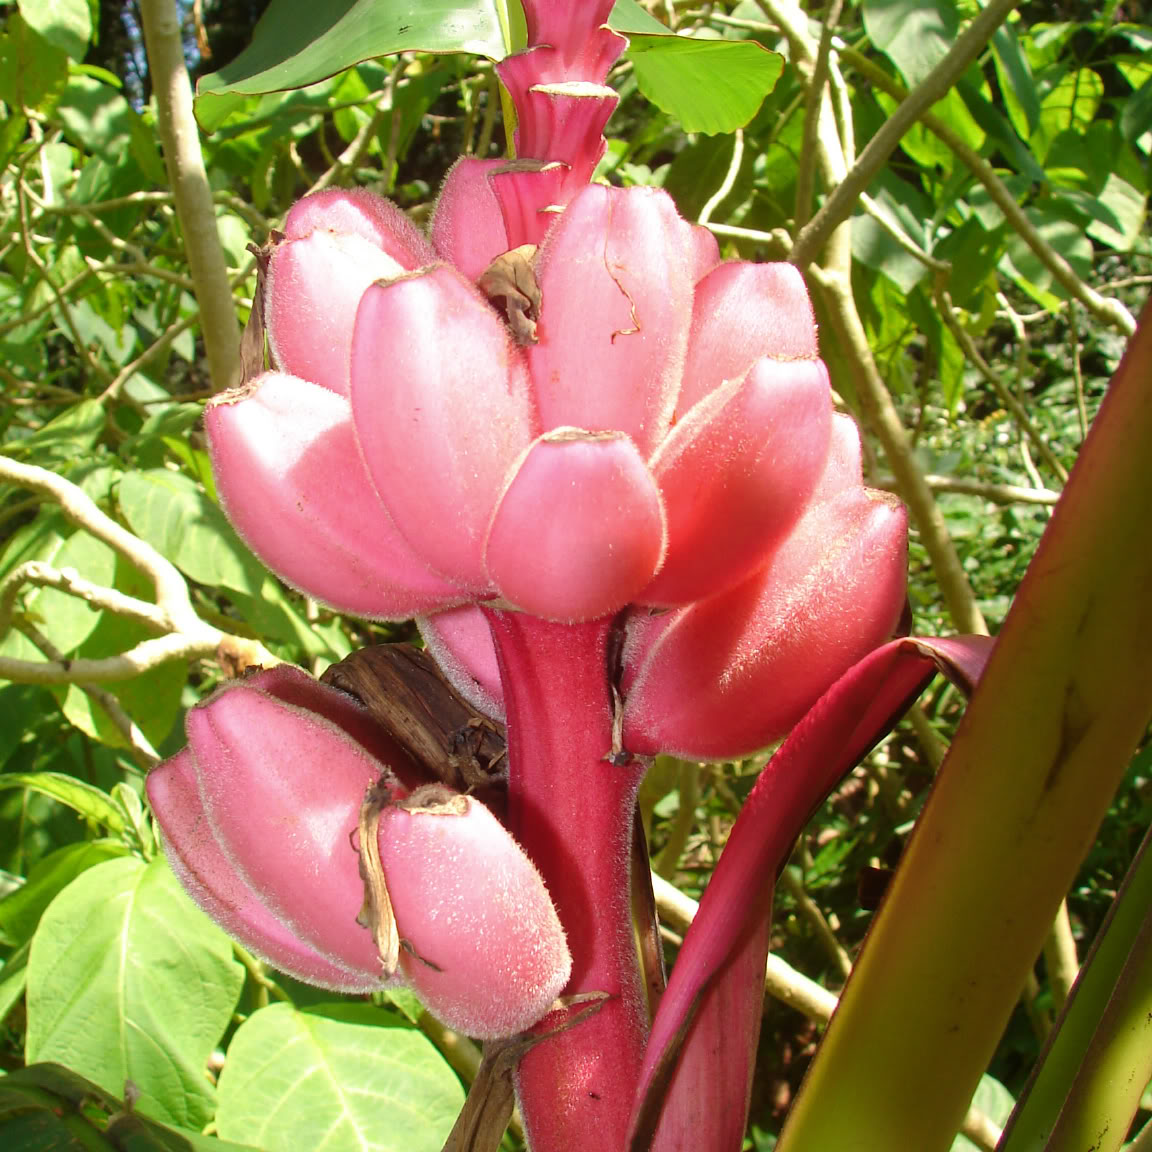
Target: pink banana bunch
{"x": 668, "y": 443}
{"x": 259, "y": 815}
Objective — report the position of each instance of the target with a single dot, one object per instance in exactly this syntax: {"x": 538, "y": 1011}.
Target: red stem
{"x": 572, "y": 812}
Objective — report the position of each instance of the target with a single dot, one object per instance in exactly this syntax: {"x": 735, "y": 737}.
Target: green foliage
{"x": 106, "y": 967}
{"x": 386, "y": 1082}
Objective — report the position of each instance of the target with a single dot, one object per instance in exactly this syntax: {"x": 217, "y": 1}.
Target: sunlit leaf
{"x": 129, "y": 980}
{"x": 355, "y": 1083}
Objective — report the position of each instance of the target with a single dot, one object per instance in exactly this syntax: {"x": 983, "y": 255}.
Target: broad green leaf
{"x": 85, "y": 799}
{"x": 298, "y": 1080}
{"x": 1136, "y": 113}
{"x": 1071, "y": 105}
{"x": 129, "y": 980}
{"x": 170, "y": 512}
{"x": 65, "y": 437}
{"x": 93, "y": 1120}
{"x": 913, "y": 34}
{"x": 67, "y": 24}
{"x": 32, "y": 71}
{"x": 1128, "y": 207}
{"x": 20, "y": 911}
{"x": 1023, "y": 265}
{"x": 298, "y": 42}
{"x": 709, "y": 86}
{"x": 1016, "y": 83}
{"x": 68, "y": 620}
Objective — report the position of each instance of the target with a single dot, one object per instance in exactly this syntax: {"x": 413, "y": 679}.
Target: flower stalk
{"x": 571, "y": 809}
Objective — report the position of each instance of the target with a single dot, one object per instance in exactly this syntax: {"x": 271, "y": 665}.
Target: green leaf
{"x": 67, "y": 24}
{"x": 298, "y": 42}
{"x": 129, "y": 980}
{"x": 170, "y": 512}
{"x": 1016, "y": 83}
{"x": 1048, "y": 1092}
{"x": 32, "y": 71}
{"x": 65, "y": 437}
{"x": 303, "y": 1080}
{"x": 913, "y": 34}
{"x": 710, "y": 86}
{"x": 68, "y": 620}
{"x": 85, "y": 799}
{"x": 1127, "y": 207}
{"x": 93, "y": 1120}
{"x": 20, "y": 911}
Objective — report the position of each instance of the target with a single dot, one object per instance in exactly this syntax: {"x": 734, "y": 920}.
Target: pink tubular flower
{"x": 259, "y": 813}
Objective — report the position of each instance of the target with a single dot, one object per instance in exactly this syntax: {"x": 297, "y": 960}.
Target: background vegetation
{"x": 995, "y": 262}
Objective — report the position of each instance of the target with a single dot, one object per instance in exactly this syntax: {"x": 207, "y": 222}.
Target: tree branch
{"x": 192, "y": 192}
{"x": 969, "y": 44}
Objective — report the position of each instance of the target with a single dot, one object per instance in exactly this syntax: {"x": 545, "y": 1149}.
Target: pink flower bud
{"x": 337, "y": 242}
{"x": 289, "y": 474}
{"x": 580, "y": 530}
{"x": 483, "y": 946}
{"x": 730, "y": 674}
{"x": 259, "y": 815}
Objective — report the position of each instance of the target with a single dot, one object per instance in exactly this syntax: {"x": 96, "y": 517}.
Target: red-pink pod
{"x": 257, "y": 815}
{"x": 481, "y": 944}
{"x": 208, "y": 874}
{"x": 291, "y": 479}
{"x": 736, "y": 473}
{"x": 615, "y": 275}
{"x": 360, "y": 212}
{"x": 337, "y": 242}
{"x": 580, "y": 530}
{"x": 281, "y": 787}
{"x": 461, "y": 642}
{"x": 731, "y": 674}
{"x": 742, "y": 312}
{"x": 467, "y": 224}
{"x": 441, "y": 408}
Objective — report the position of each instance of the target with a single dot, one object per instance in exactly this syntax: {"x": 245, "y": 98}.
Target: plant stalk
{"x": 572, "y": 812}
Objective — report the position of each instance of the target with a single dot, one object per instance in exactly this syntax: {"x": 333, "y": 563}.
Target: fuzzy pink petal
{"x": 730, "y": 674}
{"x": 743, "y": 312}
{"x": 292, "y": 685}
{"x": 282, "y": 787}
{"x": 314, "y": 288}
{"x": 292, "y": 481}
{"x": 580, "y": 530}
{"x": 705, "y": 251}
{"x": 735, "y": 474}
{"x": 442, "y": 412}
{"x": 461, "y": 642}
{"x": 486, "y": 952}
{"x": 359, "y": 212}
{"x": 615, "y": 275}
{"x": 208, "y": 875}
{"x": 467, "y": 225}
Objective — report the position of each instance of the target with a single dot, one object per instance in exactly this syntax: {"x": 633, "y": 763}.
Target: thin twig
{"x": 947, "y": 311}
{"x": 726, "y": 185}
{"x": 995, "y": 493}
{"x": 968, "y": 45}
{"x": 814, "y": 102}
{"x": 141, "y": 747}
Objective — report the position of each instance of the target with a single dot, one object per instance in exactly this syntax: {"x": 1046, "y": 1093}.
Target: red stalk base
{"x": 572, "y": 812}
